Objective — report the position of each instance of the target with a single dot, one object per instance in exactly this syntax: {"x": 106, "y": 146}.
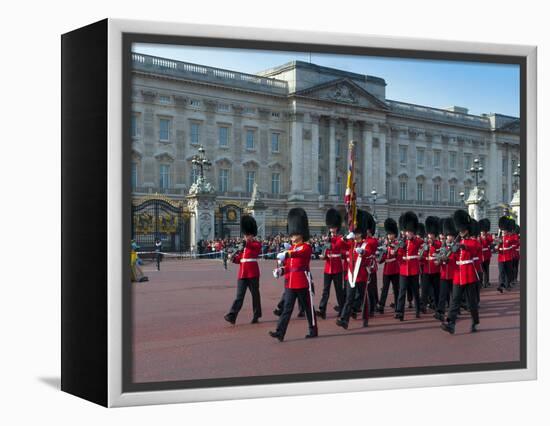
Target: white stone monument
{"x": 514, "y": 206}
{"x": 476, "y": 203}
{"x": 257, "y": 208}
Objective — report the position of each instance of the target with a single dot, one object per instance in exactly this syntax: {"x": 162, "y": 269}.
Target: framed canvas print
{"x": 252, "y": 213}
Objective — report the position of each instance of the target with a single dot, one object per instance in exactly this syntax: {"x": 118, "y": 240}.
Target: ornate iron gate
{"x": 229, "y": 221}
{"x": 158, "y": 218}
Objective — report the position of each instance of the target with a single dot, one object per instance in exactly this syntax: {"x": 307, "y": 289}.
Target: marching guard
{"x": 332, "y": 254}
{"x": 409, "y": 265}
{"x": 249, "y": 272}
{"x": 431, "y": 270}
{"x": 447, "y": 265}
{"x": 506, "y": 244}
{"x": 362, "y": 250}
{"x": 486, "y": 240}
{"x": 391, "y": 266}
{"x": 298, "y": 279}
{"x": 465, "y": 276}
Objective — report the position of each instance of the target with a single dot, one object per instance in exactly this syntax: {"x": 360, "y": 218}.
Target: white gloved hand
{"x": 276, "y": 273}
{"x": 350, "y": 236}
{"x": 281, "y": 256}
{"x": 359, "y": 250}
{"x": 287, "y": 246}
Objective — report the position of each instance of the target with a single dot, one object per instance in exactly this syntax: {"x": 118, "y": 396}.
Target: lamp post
{"x": 476, "y": 170}
{"x": 515, "y": 203}
{"x": 201, "y": 162}
{"x": 462, "y": 197}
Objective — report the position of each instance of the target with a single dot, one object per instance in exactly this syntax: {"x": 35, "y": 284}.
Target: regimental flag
{"x": 350, "y": 199}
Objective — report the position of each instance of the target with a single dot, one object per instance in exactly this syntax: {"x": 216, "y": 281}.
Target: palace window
{"x": 223, "y": 180}
{"x": 275, "y": 142}
{"x": 468, "y": 161}
{"x": 437, "y": 159}
{"x": 420, "y": 191}
{"x": 195, "y": 132}
{"x": 134, "y": 125}
{"x": 223, "y": 136}
{"x": 420, "y": 157}
{"x": 134, "y": 175}
{"x": 505, "y": 193}
{"x": 403, "y": 154}
{"x": 223, "y": 107}
{"x": 194, "y": 175}
{"x": 164, "y": 99}
{"x": 338, "y": 147}
{"x": 320, "y": 184}
{"x": 452, "y": 193}
{"x": 164, "y": 129}
{"x": 437, "y": 192}
{"x": 275, "y": 183}
{"x": 250, "y": 179}
{"x": 339, "y": 189}
{"x": 195, "y": 103}
{"x": 505, "y": 166}
{"x": 320, "y": 156}
{"x": 402, "y": 191}
{"x": 452, "y": 160}
{"x": 250, "y": 139}
{"x": 388, "y": 187}
{"x": 164, "y": 181}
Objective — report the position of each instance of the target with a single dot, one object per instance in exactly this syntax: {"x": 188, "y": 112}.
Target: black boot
{"x": 438, "y": 316}
{"x": 379, "y": 309}
{"x": 475, "y": 321}
{"x": 322, "y": 314}
{"x": 301, "y": 314}
{"x": 277, "y": 312}
{"x": 365, "y": 323}
{"x": 342, "y": 323}
{"x": 337, "y": 308}
{"x": 311, "y": 334}
{"x": 277, "y": 335}
{"x": 254, "y": 320}
{"x": 230, "y": 318}
{"x": 449, "y": 327}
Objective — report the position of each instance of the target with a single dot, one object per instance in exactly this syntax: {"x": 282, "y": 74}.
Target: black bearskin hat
{"x": 505, "y": 223}
{"x": 248, "y": 225}
{"x": 390, "y": 226}
{"x": 409, "y": 222}
{"x": 361, "y": 226}
{"x": 433, "y": 225}
{"x": 448, "y": 226}
{"x": 421, "y": 230}
{"x": 298, "y": 223}
{"x": 517, "y": 229}
{"x": 474, "y": 228}
{"x": 371, "y": 223}
{"x": 333, "y": 218}
{"x": 484, "y": 225}
{"x": 462, "y": 220}
{"x": 401, "y": 223}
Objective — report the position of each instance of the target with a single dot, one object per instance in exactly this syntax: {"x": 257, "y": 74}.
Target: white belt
{"x": 475, "y": 258}
{"x": 410, "y": 257}
{"x": 248, "y": 260}
{"x": 507, "y": 248}
{"x": 485, "y": 249}
{"x": 390, "y": 260}
{"x": 334, "y": 255}
{"x": 431, "y": 258}
{"x": 464, "y": 262}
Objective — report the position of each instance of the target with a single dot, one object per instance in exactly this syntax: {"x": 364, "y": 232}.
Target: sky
{"x": 480, "y": 87}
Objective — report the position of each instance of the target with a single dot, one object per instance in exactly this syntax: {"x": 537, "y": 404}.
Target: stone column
{"x": 201, "y": 207}
{"x": 297, "y": 156}
{"x": 315, "y": 152}
{"x": 367, "y": 160}
{"x": 332, "y": 157}
{"x": 509, "y": 173}
{"x": 382, "y": 166}
{"x": 495, "y": 178}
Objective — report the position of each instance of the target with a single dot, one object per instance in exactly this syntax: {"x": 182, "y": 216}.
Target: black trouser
{"x": 338, "y": 289}
{"x": 159, "y": 256}
{"x": 405, "y": 282}
{"x": 281, "y": 304}
{"x": 430, "y": 289}
{"x": 515, "y": 269}
{"x": 351, "y": 299}
{"x": 445, "y": 290}
{"x": 505, "y": 274}
{"x": 372, "y": 292}
{"x": 304, "y": 298}
{"x": 386, "y": 280}
{"x": 471, "y": 297}
{"x": 485, "y": 265}
{"x": 409, "y": 294}
{"x": 360, "y": 289}
{"x": 253, "y": 285}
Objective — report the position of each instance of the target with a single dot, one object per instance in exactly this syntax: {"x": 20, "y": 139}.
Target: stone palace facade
{"x": 288, "y": 129}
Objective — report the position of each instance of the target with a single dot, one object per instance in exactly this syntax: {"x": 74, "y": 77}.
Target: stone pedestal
{"x": 514, "y": 206}
{"x": 201, "y": 202}
{"x": 476, "y": 203}
{"x": 257, "y": 208}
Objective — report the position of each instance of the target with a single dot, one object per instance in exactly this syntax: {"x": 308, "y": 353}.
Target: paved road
{"x": 180, "y": 333}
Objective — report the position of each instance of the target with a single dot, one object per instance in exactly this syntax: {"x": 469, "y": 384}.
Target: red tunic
{"x": 248, "y": 260}
{"x": 507, "y": 248}
{"x": 517, "y": 242}
{"x": 465, "y": 272}
{"x": 486, "y": 247}
{"x": 478, "y": 257}
{"x": 430, "y": 267}
{"x": 365, "y": 259}
{"x": 389, "y": 259}
{"x": 447, "y": 268}
{"x": 333, "y": 261}
{"x": 409, "y": 262}
{"x": 297, "y": 266}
